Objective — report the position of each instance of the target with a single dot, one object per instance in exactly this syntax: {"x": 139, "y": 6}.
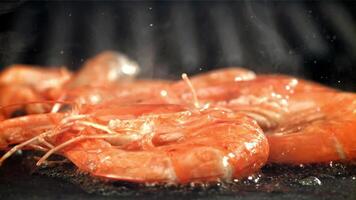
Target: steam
{"x": 143, "y": 40}
{"x": 228, "y": 34}
{"x": 185, "y": 36}
{"x": 58, "y": 38}
{"x": 274, "y": 49}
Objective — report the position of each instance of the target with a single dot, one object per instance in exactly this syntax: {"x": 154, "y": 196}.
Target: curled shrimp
{"x": 159, "y": 143}
{"x": 36, "y": 77}
{"x": 304, "y": 122}
{"x": 104, "y": 69}
{"x": 321, "y": 128}
{"x": 24, "y": 83}
{"x": 21, "y": 84}
{"x": 264, "y": 97}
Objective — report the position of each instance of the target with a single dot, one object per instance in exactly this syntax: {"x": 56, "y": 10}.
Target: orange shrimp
{"x": 264, "y": 98}
{"x": 158, "y": 143}
{"x": 304, "y": 122}
{"x": 178, "y": 147}
{"x": 56, "y": 84}
{"x": 38, "y": 78}
{"x": 21, "y": 84}
{"x": 26, "y": 128}
{"x": 216, "y": 77}
{"x": 105, "y": 69}
{"x": 153, "y": 91}
{"x": 320, "y": 128}
{"x": 104, "y": 77}
{"x": 19, "y": 94}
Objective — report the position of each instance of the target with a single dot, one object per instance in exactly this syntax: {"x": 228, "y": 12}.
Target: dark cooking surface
{"x": 331, "y": 181}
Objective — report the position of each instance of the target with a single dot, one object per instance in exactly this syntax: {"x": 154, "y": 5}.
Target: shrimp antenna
{"x": 194, "y": 93}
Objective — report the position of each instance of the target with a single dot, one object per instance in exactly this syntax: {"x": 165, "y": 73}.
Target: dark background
{"x": 310, "y": 39}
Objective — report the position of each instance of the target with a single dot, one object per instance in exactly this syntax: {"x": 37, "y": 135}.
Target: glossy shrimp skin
{"x": 264, "y": 97}
{"x": 177, "y": 147}
{"x": 20, "y": 129}
{"x": 216, "y": 77}
{"x": 324, "y": 130}
{"x": 304, "y": 122}
{"x": 21, "y": 84}
{"x": 260, "y": 86}
{"x": 36, "y": 77}
{"x": 105, "y": 68}
{"x": 98, "y": 79}
{"x": 149, "y": 91}
{"x": 145, "y": 142}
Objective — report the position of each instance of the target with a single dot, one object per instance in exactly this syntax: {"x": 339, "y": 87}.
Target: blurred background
{"x": 309, "y": 39}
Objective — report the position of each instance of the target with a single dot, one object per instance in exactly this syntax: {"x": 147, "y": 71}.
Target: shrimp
{"x": 157, "y": 143}
{"x": 20, "y": 129}
{"x": 216, "y": 77}
{"x": 24, "y": 83}
{"x": 40, "y": 79}
{"x": 303, "y": 121}
{"x": 153, "y": 91}
{"x": 264, "y": 97}
{"x": 20, "y": 95}
{"x": 105, "y": 69}
{"x": 102, "y": 71}
{"x": 104, "y": 77}
{"x": 174, "y": 147}
{"x": 320, "y": 128}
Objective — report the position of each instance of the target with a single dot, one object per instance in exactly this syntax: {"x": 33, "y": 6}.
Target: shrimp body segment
{"x": 36, "y": 77}
{"x": 326, "y": 131}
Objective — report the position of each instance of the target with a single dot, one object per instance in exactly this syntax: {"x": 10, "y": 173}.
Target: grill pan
{"x": 313, "y": 40}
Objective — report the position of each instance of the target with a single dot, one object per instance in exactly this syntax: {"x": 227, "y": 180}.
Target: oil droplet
{"x": 331, "y": 164}
{"x": 163, "y": 93}
{"x": 151, "y": 25}
{"x": 310, "y": 181}
{"x": 61, "y": 52}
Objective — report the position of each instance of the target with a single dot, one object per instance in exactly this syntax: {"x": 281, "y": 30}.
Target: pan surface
{"x": 20, "y": 180}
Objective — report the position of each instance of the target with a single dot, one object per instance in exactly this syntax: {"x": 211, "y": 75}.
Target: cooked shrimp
{"x": 153, "y": 91}
{"x": 264, "y": 98}
{"x": 20, "y": 95}
{"x": 304, "y": 122}
{"x": 178, "y": 147}
{"x": 20, "y": 129}
{"x": 21, "y": 84}
{"x": 104, "y": 69}
{"x": 40, "y": 79}
{"x": 216, "y": 77}
{"x": 155, "y": 143}
{"x": 321, "y": 128}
